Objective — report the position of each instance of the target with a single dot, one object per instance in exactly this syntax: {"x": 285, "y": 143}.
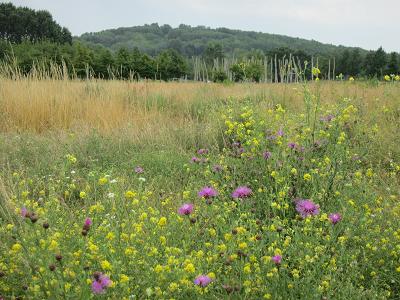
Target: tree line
{"x": 22, "y": 23}
{"x": 29, "y": 38}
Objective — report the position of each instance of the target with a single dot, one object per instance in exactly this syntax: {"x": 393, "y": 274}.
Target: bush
{"x": 219, "y": 76}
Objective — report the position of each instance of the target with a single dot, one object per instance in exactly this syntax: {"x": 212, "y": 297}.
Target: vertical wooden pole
{"x": 329, "y": 69}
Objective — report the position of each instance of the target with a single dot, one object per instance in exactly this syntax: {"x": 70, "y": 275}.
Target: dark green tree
{"x": 82, "y": 60}
{"x": 171, "y": 65}
{"x": 103, "y": 63}
{"x": 375, "y": 63}
{"x": 393, "y": 64}
{"x": 344, "y": 61}
{"x": 143, "y": 65}
{"x": 123, "y": 64}
{"x": 355, "y": 63}
{"x": 22, "y": 23}
{"x": 212, "y": 52}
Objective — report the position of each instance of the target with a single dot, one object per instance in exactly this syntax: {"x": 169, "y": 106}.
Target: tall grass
{"x": 173, "y": 115}
{"x": 161, "y": 112}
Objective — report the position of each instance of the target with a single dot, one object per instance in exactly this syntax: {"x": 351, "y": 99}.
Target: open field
{"x": 322, "y": 162}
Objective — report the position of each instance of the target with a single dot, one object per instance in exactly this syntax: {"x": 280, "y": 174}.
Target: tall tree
{"x": 171, "y": 65}
{"x": 393, "y": 64}
{"x": 213, "y": 51}
{"x": 123, "y": 63}
{"x": 344, "y": 63}
{"x": 21, "y": 23}
{"x": 375, "y": 63}
{"x": 355, "y": 63}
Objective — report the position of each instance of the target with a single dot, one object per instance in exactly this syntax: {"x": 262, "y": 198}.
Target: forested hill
{"x": 192, "y": 41}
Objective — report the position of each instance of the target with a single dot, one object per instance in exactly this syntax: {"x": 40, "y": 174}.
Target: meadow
{"x": 176, "y": 190}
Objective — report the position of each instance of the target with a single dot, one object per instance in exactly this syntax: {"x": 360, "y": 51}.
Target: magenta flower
{"x": 335, "y": 218}
{"x": 277, "y": 259}
{"x": 306, "y": 208}
{"x": 202, "y": 280}
{"x": 100, "y": 283}
{"x": 202, "y": 151}
{"x": 207, "y": 192}
{"x": 195, "y": 159}
{"x": 186, "y": 209}
{"x": 139, "y": 170}
{"x": 267, "y": 154}
{"x": 87, "y": 224}
{"x": 242, "y": 192}
{"x": 292, "y": 145}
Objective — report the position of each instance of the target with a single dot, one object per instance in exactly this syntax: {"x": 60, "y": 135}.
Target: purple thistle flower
{"x": 100, "y": 283}
{"x": 186, "y": 209}
{"x": 207, "y": 192}
{"x": 267, "y": 154}
{"x": 202, "y": 151}
{"x": 280, "y": 132}
{"x": 88, "y": 222}
{"x": 202, "y": 280}
{"x": 292, "y": 145}
{"x": 306, "y": 208}
{"x": 242, "y": 192}
{"x": 335, "y": 218}
{"x": 277, "y": 259}
{"x": 86, "y": 225}
{"x": 24, "y": 212}
{"x": 195, "y": 159}
{"x": 139, "y": 170}
{"x": 97, "y": 288}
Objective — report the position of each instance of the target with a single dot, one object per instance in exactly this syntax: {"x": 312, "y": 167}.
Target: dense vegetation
{"x": 193, "y": 41}
{"x": 22, "y": 23}
{"x": 98, "y": 201}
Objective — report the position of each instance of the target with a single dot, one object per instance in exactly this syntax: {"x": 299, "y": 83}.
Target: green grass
{"x": 149, "y": 251}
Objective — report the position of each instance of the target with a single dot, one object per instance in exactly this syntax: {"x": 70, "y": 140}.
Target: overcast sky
{"x": 365, "y": 23}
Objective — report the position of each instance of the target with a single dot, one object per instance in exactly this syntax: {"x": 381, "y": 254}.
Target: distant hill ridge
{"x": 192, "y": 41}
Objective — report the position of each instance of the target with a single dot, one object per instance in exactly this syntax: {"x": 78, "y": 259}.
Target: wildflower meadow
{"x": 196, "y": 191}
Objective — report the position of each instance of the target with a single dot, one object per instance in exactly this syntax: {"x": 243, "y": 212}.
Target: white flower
{"x": 111, "y": 195}
{"x": 142, "y": 179}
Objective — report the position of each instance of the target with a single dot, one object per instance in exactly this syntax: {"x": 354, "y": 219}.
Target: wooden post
{"x": 329, "y": 69}
{"x": 272, "y": 74}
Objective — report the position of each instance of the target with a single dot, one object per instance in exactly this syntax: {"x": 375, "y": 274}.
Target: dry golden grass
{"x": 145, "y": 109}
